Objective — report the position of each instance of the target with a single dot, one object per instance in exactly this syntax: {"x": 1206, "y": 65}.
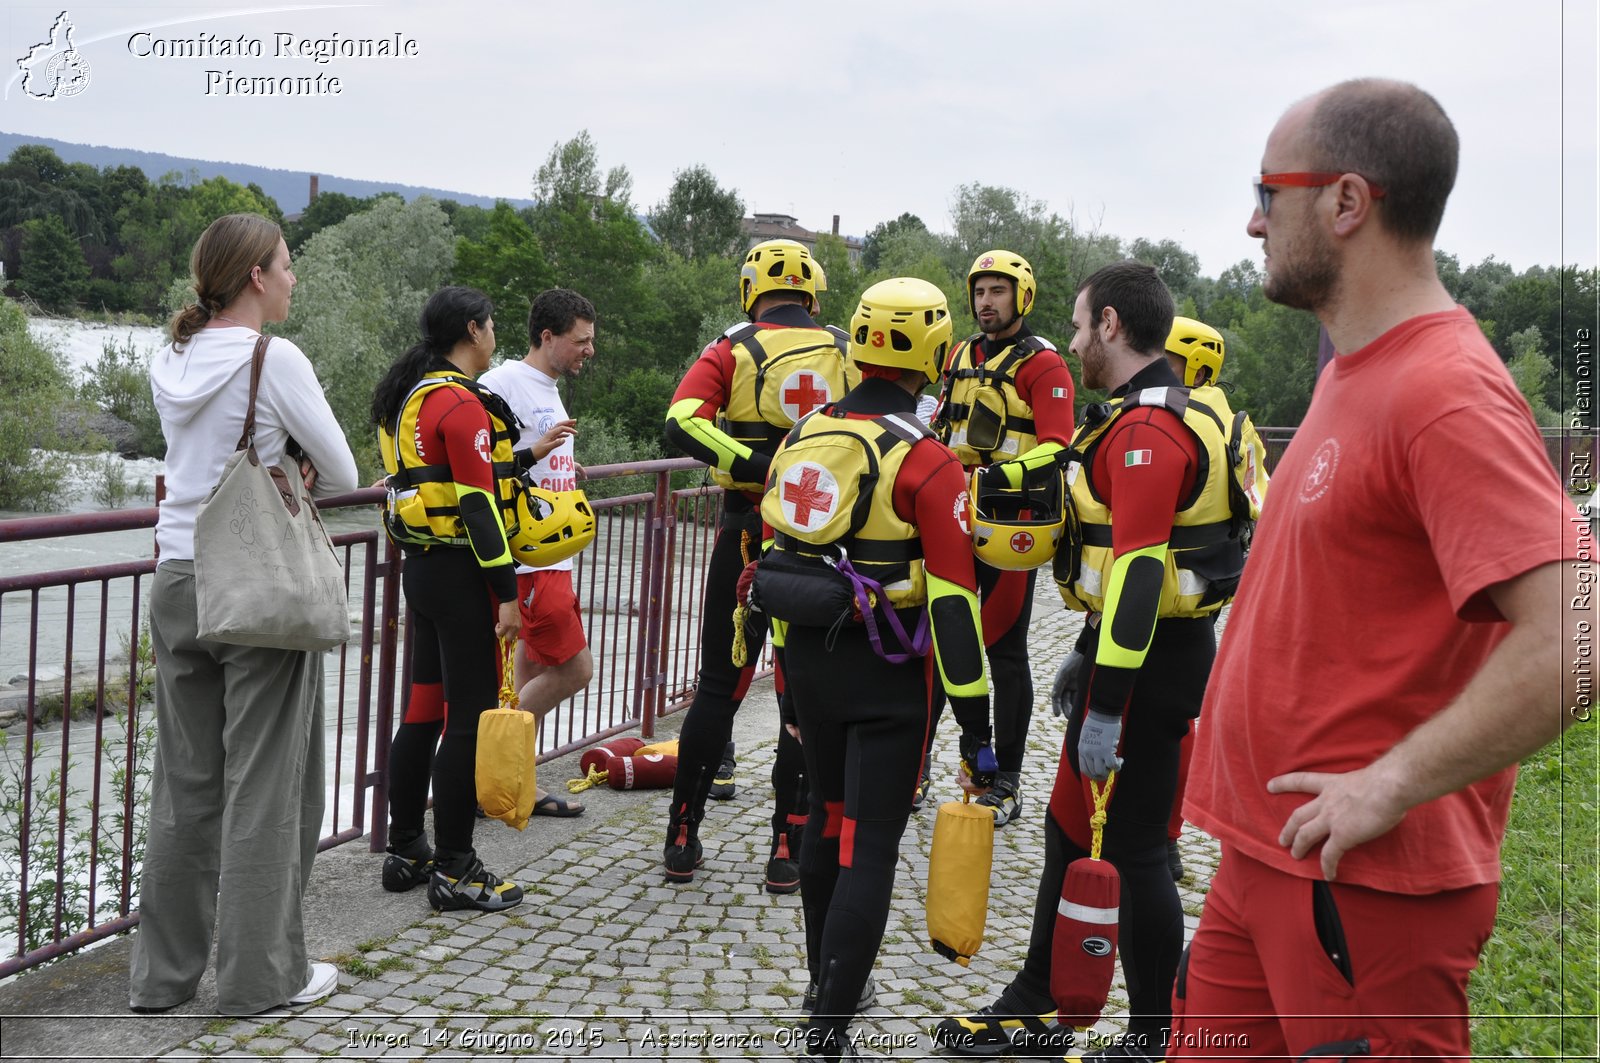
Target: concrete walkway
{"x": 604, "y": 960}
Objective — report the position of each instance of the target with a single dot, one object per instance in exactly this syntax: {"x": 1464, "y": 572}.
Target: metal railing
{"x": 74, "y": 795}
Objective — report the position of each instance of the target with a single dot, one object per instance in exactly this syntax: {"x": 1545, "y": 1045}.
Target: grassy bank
{"x": 1537, "y": 990}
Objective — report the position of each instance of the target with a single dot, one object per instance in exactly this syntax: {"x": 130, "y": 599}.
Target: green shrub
{"x": 600, "y": 442}
{"x": 33, "y": 387}
{"x": 119, "y": 384}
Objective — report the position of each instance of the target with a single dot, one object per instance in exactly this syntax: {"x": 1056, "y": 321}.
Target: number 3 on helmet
{"x": 551, "y": 525}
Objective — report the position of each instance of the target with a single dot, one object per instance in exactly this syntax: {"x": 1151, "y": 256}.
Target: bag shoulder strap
{"x": 247, "y": 438}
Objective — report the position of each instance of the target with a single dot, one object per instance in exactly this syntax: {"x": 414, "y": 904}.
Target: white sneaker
{"x": 324, "y": 980}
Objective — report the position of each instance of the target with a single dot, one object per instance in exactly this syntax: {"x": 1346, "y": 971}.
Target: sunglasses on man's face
{"x": 1268, "y": 183}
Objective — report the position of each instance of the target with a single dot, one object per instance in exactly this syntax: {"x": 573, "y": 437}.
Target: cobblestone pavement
{"x": 604, "y": 960}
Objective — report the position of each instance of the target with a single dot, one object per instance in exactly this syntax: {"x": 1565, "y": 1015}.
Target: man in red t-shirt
{"x": 1396, "y": 646}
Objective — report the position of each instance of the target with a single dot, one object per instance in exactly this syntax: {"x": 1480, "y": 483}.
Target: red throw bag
{"x": 652, "y": 772}
{"x": 618, "y": 747}
{"x": 1083, "y": 954}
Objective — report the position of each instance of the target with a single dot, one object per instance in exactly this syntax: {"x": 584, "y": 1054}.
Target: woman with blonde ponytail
{"x": 237, "y": 796}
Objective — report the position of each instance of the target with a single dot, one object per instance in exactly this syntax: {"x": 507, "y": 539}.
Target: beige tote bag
{"x": 265, "y": 571}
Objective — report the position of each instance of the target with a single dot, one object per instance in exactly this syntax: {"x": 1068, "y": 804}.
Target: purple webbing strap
{"x": 917, "y": 644}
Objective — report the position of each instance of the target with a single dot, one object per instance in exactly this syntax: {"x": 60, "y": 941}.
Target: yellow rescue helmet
{"x": 1005, "y": 264}
{"x": 551, "y": 525}
{"x": 1199, "y": 345}
{"x": 902, "y": 322}
{"x": 777, "y": 266}
{"x": 1018, "y": 529}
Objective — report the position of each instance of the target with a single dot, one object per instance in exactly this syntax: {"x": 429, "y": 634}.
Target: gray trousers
{"x": 235, "y": 812}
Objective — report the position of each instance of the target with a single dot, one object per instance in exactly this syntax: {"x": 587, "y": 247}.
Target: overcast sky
{"x": 1139, "y": 118}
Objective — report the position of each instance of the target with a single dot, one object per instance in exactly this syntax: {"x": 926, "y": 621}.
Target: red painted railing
{"x": 71, "y": 878}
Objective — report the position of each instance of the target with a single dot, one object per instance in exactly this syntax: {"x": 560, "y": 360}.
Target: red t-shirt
{"x": 1417, "y": 480}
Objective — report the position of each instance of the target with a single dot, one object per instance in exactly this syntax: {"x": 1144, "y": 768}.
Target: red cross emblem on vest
{"x": 803, "y": 392}
{"x": 808, "y": 496}
{"x": 1021, "y": 542}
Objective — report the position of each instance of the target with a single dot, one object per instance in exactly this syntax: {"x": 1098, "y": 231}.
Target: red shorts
{"x": 1283, "y": 966}
{"x": 552, "y": 630}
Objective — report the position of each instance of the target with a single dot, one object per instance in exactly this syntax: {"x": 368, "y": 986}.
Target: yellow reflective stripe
{"x": 1110, "y": 652}
{"x": 1039, "y": 457}
{"x": 941, "y": 588}
{"x": 780, "y": 631}
{"x": 707, "y": 434}
{"x": 504, "y": 556}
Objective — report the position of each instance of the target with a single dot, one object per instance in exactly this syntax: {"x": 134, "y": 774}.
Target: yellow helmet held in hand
{"x": 1005, "y": 264}
{"x": 777, "y": 266}
{"x": 551, "y": 525}
{"x": 1199, "y": 345}
{"x": 1018, "y": 529}
{"x": 902, "y": 322}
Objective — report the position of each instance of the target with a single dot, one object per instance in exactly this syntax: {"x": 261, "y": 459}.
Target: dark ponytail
{"x": 443, "y": 324}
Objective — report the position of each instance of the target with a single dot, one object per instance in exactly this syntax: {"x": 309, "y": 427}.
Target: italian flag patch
{"x": 1058, "y": 393}
{"x": 1136, "y": 457}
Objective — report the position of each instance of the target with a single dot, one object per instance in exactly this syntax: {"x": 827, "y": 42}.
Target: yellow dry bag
{"x": 508, "y": 740}
{"x": 958, "y": 879}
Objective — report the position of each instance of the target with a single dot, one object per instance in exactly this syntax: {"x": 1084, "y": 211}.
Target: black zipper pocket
{"x": 1330, "y": 931}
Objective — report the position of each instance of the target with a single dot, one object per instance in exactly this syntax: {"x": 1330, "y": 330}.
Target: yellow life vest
{"x": 1205, "y": 555}
{"x": 779, "y": 376}
{"x": 982, "y": 417}
{"x": 1248, "y": 455}
{"x": 422, "y": 508}
{"x": 833, "y": 493}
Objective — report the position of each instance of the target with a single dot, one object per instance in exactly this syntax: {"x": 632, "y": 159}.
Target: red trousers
{"x": 1292, "y": 967}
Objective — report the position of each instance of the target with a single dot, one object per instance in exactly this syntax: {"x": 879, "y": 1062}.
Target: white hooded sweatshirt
{"x": 201, "y": 394}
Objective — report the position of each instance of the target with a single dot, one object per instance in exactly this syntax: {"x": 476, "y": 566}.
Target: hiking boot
{"x": 920, "y": 794}
{"x": 722, "y": 785}
{"x": 476, "y": 888}
{"x": 407, "y": 866}
{"x": 869, "y": 997}
{"x": 1004, "y": 798}
{"x": 997, "y": 1028}
{"x": 1124, "y": 1047}
{"x": 1175, "y": 861}
{"x": 683, "y": 854}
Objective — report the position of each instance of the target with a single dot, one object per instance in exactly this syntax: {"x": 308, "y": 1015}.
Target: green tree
{"x": 699, "y": 218}
{"x": 158, "y": 229}
{"x": 509, "y": 267}
{"x": 1272, "y": 361}
{"x": 1533, "y": 373}
{"x": 329, "y": 208}
{"x": 595, "y": 245}
{"x": 986, "y": 217}
{"x": 33, "y": 387}
{"x": 362, "y": 286}
{"x": 846, "y": 282}
{"x": 53, "y": 272}
{"x": 570, "y": 177}
{"x": 119, "y": 384}
{"x": 873, "y": 247}
{"x": 468, "y": 220}
{"x": 1179, "y": 267}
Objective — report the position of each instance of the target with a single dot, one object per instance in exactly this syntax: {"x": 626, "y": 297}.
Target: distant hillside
{"x": 289, "y": 187}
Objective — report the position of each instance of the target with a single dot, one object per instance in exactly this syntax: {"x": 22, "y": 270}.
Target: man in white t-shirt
{"x": 555, "y": 662}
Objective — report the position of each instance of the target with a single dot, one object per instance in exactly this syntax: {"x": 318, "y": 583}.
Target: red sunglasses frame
{"x": 1306, "y": 179}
